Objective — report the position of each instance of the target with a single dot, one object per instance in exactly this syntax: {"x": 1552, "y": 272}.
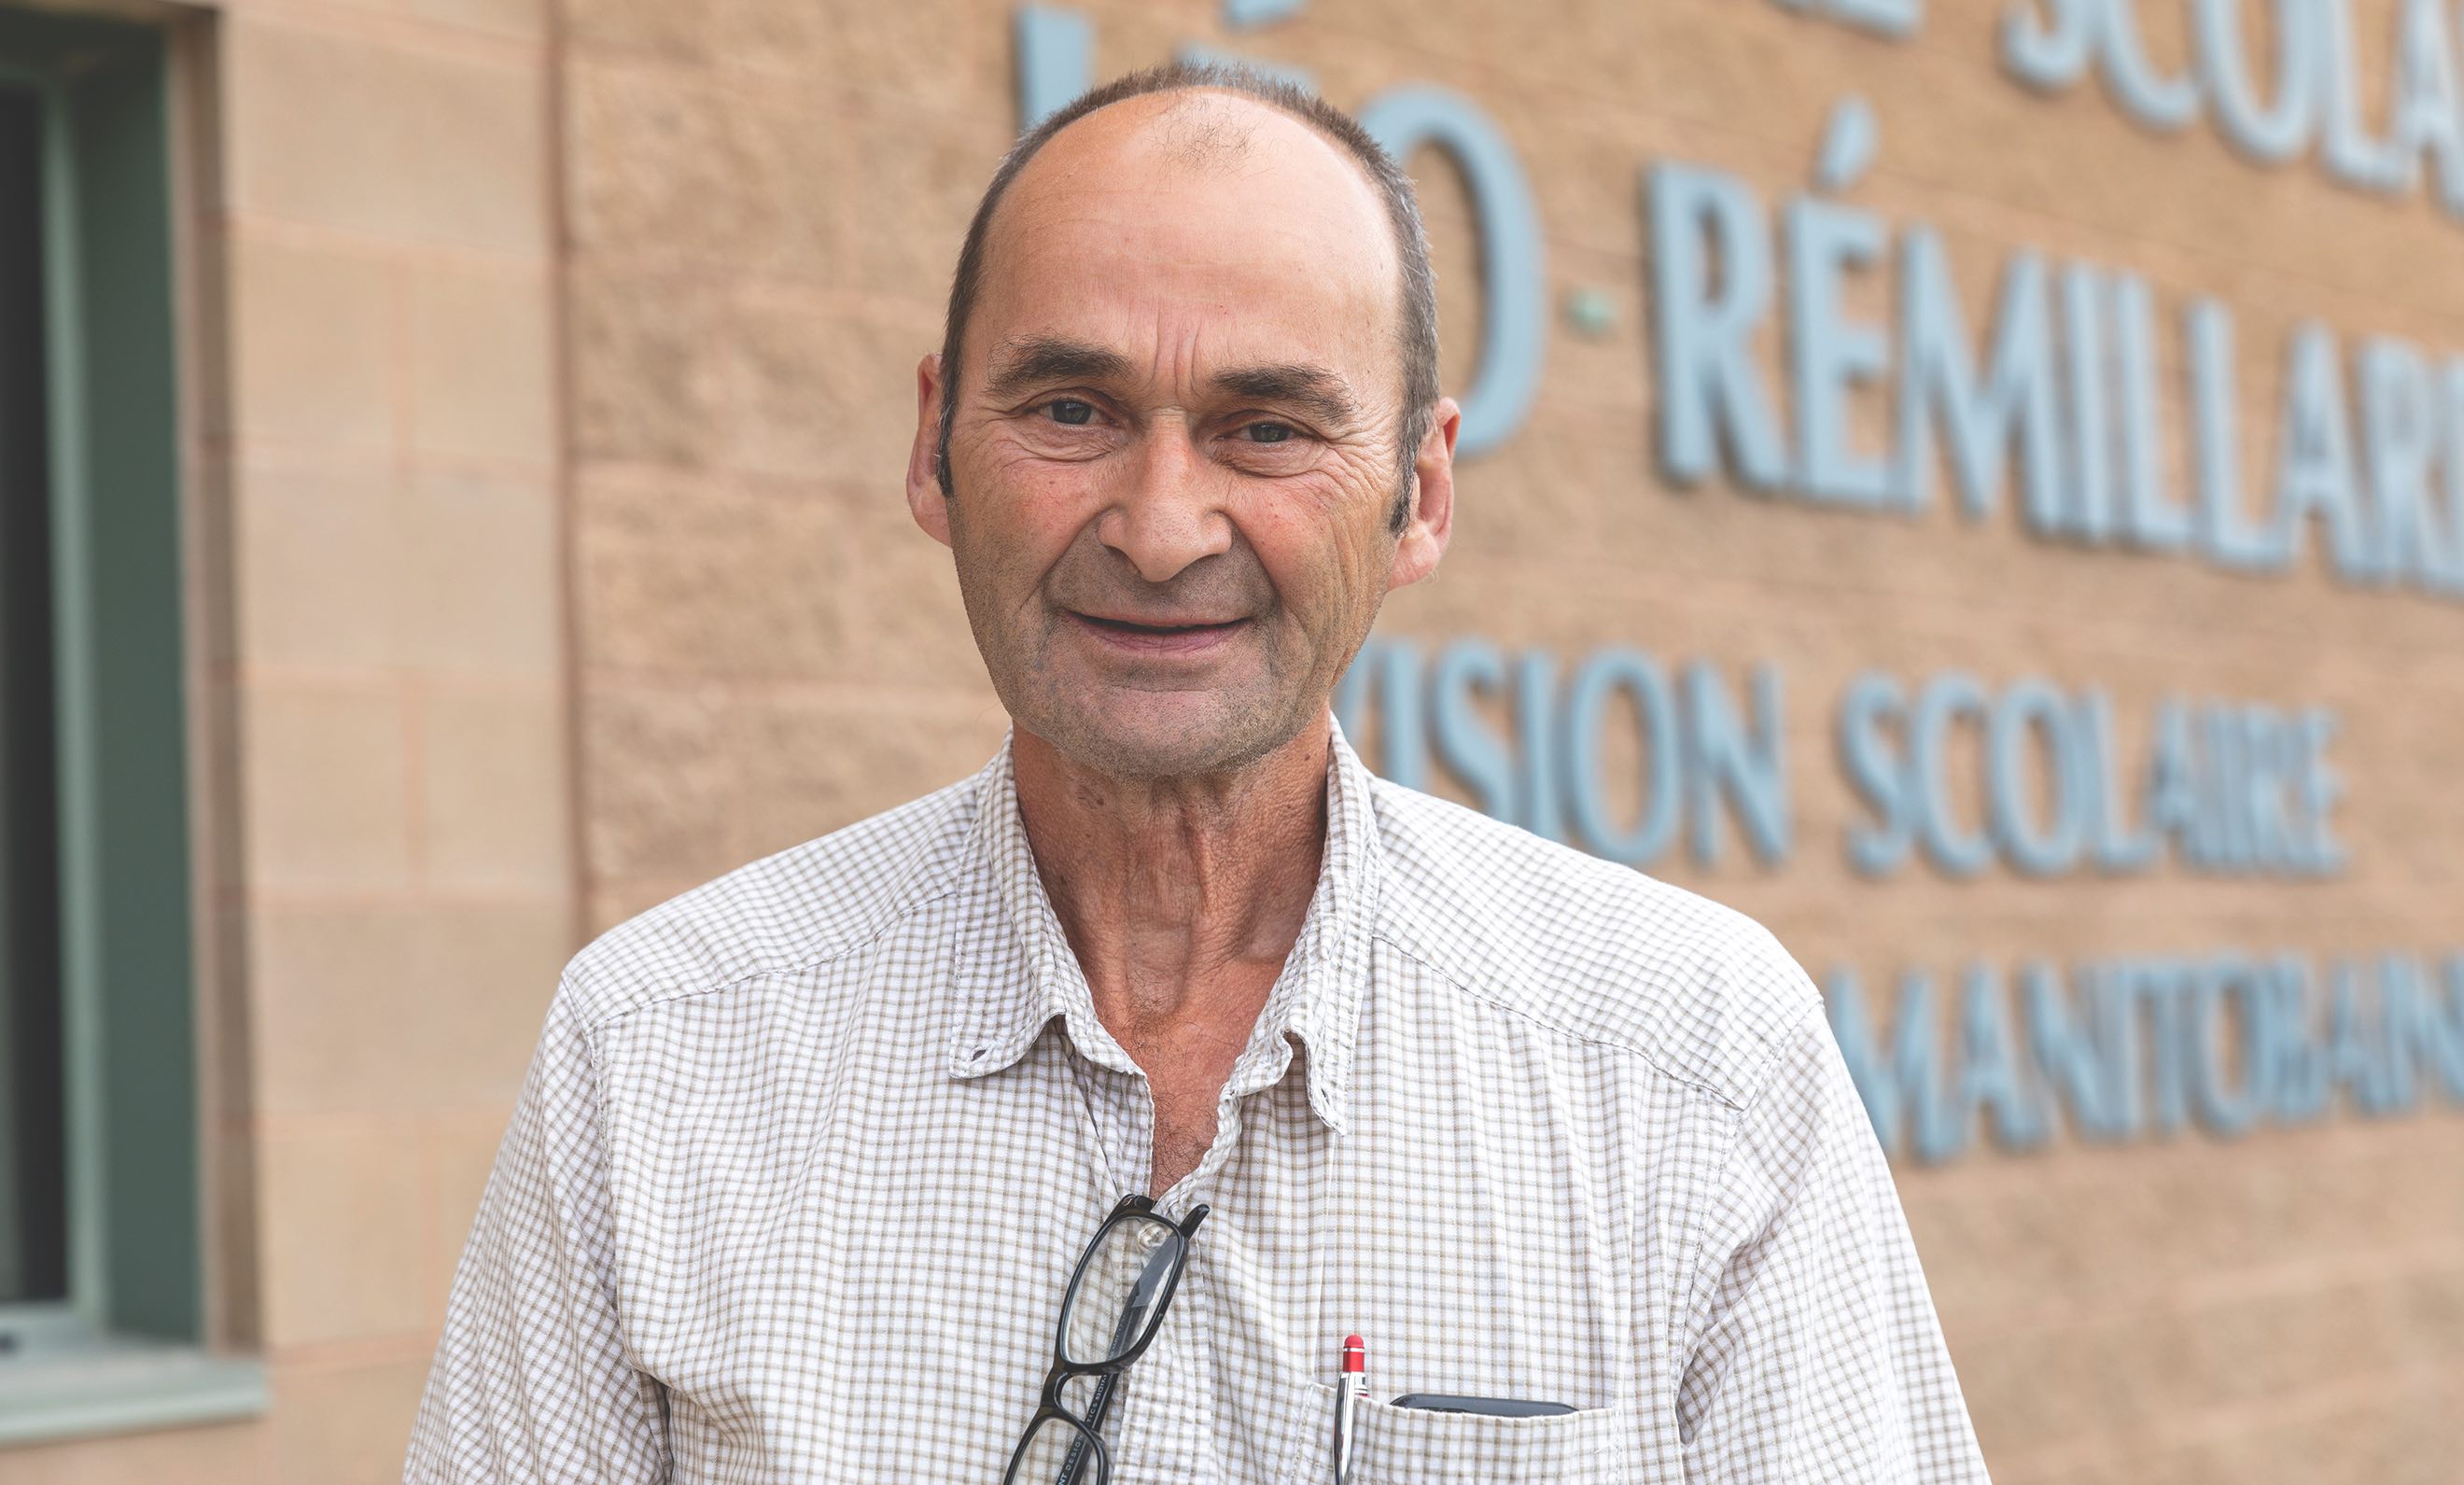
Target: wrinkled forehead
{"x": 1190, "y": 230}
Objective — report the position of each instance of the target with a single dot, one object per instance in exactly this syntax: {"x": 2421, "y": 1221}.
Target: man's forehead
{"x": 1196, "y": 130}
{"x": 1197, "y": 203}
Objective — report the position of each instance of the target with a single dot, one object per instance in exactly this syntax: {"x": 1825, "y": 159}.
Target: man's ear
{"x": 1431, "y": 522}
{"x": 925, "y": 501}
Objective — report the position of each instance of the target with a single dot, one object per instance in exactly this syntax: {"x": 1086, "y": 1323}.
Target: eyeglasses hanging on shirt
{"x": 1111, "y": 1309}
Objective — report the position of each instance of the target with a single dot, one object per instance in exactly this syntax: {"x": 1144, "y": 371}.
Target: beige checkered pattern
{"x": 806, "y": 1154}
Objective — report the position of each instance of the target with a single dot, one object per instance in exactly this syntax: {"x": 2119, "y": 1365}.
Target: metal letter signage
{"x": 2051, "y": 413}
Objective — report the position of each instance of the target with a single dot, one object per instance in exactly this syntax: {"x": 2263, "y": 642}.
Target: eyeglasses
{"x": 1113, "y": 1308}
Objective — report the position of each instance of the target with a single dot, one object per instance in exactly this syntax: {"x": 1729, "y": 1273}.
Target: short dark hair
{"x": 1418, "y": 294}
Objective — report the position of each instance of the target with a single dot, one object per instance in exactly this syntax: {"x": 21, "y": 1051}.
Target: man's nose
{"x": 1169, "y": 512}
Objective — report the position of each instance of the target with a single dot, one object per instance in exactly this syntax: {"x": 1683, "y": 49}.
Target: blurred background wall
{"x": 525, "y": 543}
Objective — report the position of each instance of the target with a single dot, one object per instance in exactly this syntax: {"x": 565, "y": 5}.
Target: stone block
{"x": 459, "y": 1154}
{"x": 490, "y": 23}
{"x": 314, "y": 364}
{"x": 649, "y": 365}
{"x": 224, "y": 1454}
{"x": 813, "y": 763}
{"x": 900, "y": 605}
{"x": 938, "y": 55}
{"x": 495, "y": 799}
{"x": 318, "y": 558}
{"x": 908, "y": 194}
{"x": 657, "y": 780}
{"x": 698, "y": 577}
{"x": 613, "y": 902}
{"x": 660, "y": 29}
{"x": 342, "y": 130}
{"x": 2427, "y": 1322}
{"x": 2023, "y": 1392}
{"x": 345, "y": 1422}
{"x": 481, "y": 365}
{"x": 358, "y": 567}
{"x": 656, "y": 164}
{"x": 325, "y": 784}
{"x": 1544, "y": 500}
{"x": 817, "y": 396}
{"x": 524, "y": 20}
{"x": 400, "y": 1008}
{"x": 480, "y": 576}
{"x": 491, "y": 971}
{"x": 341, "y": 1234}
{"x": 795, "y": 160}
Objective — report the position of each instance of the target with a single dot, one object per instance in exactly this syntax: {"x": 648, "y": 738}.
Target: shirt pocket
{"x": 1418, "y": 1445}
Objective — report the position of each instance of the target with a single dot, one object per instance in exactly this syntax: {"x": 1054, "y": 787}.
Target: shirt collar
{"x": 1016, "y": 973}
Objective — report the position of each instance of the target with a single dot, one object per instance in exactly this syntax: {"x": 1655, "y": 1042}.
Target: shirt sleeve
{"x": 1817, "y": 1356}
{"x": 532, "y": 1381}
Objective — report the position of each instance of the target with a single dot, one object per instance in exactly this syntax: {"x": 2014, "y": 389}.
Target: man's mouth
{"x": 1159, "y": 637}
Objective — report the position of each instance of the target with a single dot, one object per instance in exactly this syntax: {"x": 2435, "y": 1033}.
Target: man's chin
{"x": 1169, "y": 735}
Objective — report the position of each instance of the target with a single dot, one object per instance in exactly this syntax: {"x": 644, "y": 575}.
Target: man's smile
{"x": 1154, "y": 637}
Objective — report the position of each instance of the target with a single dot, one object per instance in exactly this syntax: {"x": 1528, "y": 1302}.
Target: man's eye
{"x": 1268, "y": 432}
{"x": 1072, "y": 412}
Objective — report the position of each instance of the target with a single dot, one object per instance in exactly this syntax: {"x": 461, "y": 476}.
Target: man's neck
{"x": 1180, "y": 896}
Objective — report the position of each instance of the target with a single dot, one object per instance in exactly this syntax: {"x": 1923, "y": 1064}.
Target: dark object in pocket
{"x": 1493, "y": 1406}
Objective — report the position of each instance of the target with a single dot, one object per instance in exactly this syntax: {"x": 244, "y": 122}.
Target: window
{"x": 34, "y": 1262}
{"x": 34, "y": 1225}
{"x": 101, "y": 1288}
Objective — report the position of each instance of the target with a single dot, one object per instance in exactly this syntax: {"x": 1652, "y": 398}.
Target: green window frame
{"x": 125, "y": 1345}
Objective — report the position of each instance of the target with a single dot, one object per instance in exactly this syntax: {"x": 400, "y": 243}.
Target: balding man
{"x": 1066, "y": 1122}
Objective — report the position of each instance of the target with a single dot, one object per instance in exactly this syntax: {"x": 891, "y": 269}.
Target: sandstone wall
{"x": 557, "y": 377}
{"x": 767, "y": 649}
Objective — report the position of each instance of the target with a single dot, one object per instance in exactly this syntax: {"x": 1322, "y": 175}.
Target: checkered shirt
{"x": 807, "y": 1155}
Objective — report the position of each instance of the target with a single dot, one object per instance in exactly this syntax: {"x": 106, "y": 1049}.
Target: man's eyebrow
{"x": 1018, "y": 364}
{"x": 1311, "y": 389}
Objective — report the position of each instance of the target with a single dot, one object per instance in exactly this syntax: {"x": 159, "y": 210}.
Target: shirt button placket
{"x": 1168, "y": 1436}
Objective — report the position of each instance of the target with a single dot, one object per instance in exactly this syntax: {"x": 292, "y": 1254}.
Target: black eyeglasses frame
{"x": 1089, "y": 1428}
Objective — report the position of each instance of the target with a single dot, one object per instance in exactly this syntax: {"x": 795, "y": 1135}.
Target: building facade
{"x": 1976, "y": 484}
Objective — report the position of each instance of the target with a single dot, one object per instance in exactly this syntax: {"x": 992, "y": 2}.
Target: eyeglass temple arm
{"x": 1133, "y": 1315}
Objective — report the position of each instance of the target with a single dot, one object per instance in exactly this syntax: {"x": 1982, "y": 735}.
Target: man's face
{"x": 1174, "y": 443}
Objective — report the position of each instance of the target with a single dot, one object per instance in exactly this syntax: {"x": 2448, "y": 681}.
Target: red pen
{"x": 1351, "y": 1390}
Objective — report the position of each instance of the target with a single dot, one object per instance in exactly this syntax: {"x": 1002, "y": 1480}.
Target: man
{"x": 807, "y": 1155}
